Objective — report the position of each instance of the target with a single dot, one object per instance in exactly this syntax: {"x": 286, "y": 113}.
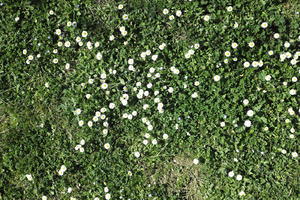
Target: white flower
{"x": 69, "y": 24}
{"x": 196, "y": 46}
{"x": 247, "y": 123}
{"x": 291, "y": 111}
{"x": 67, "y": 66}
{"x": 44, "y": 198}
{"x": 283, "y": 151}
{"x": 234, "y": 45}
{"x": 98, "y": 56}
{"x": 84, "y": 34}
{"x": 106, "y": 146}
{"x": 89, "y": 45}
{"x": 231, "y": 174}
{"x": 191, "y": 52}
{"x": 162, "y": 46}
{"x": 91, "y": 81}
{"x": 124, "y": 33}
{"x": 165, "y": 136}
{"x": 137, "y": 154}
{"x": 268, "y": 77}
{"x": 81, "y": 149}
{"x": 293, "y": 92}
{"x": 170, "y": 90}
{"x": 78, "y": 39}
{"x": 146, "y": 93}
{"x": 288, "y": 55}
{"x": 239, "y": 177}
{"x": 242, "y": 193}
{"x": 111, "y": 105}
{"x": 107, "y": 196}
{"x": 63, "y": 168}
{"x": 197, "y": 83}
{"x": 125, "y": 17}
{"x": 251, "y": 44}
{"x": 143, "y": 55}
{"x": 222, "y": 124}
{"x": 287, "y": 44}
{"x": 292, "y": 136}
{"x": 145, "y": 142}
{"x": 294, "y": 79}
{"x": 154, "y": 141}
{"x": 292, "y": 130}
{"x": 51, "y": 12}
{"x": 270, "y": 52}
{"x": 294, "y": 154}
{"x": 103, "y": 76}
{"x": 246, "y": 64}
{"x": 227, "y": 53}
{"x": 111, "y": 38}
{"x": 82, "y": 142}
{"x": 178, "y": 13}
{"x": 30, "y": 57}
{"x": 148, "y": 52}
{"x": 129, "y": 116}
{"x": 131, "y": 68}
{"x": 195, "y": 95}
{"x": 122, "y": 28}
{"x": 69, "y": 190}
{"x": 29, "y": 177}
{"x": 57, "y": 31}
{"x": 147, "y": 135}
{"x": 294, "y": 61}
{"x": 156, "y": 100}
{"x": 67, "y": 44}
{"x": 154, "y": 57}
{"x": 97, "y": 44}
{"x": 130, "y": 61}
{"x": 236, "y": 25}
{"x": 55, "y": 60}
{"x": 80, "y": 123}
{"x": 77, "y": 147}
{"x": 106, "y": 190}
{"x": 264, "y": 25}
{"x": 120, "y": 7}
{"x": 206, "y": 18}
{"x": 282, "y": 57}
{"x": 255, "y": 64}
{"x": 17, "y": 19}
{"x": 87, "y": 96}
{"x": 171, "y": 17}
{"x": 60, "y": 172}
{"x": 250, "y": 113}
{"x": 276, "y": 35}
{"x": 90, "y": 123}
{"x": 217, "y": 78}
{"x": 229, "y": 8}
{"x": 104, "y": 86}
{"x": 165, "y": 11}
{"x": 150, "y": 127}
{"x": 196, "y": 161}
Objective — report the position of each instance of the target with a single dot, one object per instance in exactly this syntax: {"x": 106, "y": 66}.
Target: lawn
{"x": 141, "y": 99}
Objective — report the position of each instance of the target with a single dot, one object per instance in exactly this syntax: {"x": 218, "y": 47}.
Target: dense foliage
{"x": 145, "y": 99}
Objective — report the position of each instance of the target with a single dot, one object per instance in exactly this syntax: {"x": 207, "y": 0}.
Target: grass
{"x": 189, "y": 133}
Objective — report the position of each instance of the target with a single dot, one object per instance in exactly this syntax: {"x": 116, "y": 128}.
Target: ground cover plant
{"x": 140, "y": 99}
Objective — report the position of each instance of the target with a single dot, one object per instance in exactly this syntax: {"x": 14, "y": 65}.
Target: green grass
{"x": 40, "y": 132}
